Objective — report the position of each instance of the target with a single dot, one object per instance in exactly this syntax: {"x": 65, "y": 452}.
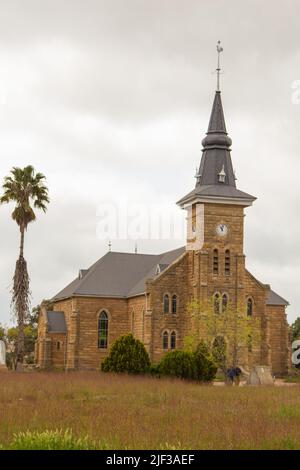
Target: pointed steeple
{"x": 215, "y": 178}
{"x": 216, "y": 150}
{"x": 217, "y": 120}
{"x": 216, "y": 136}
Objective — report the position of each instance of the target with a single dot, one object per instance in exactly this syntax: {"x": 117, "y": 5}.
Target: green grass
{"x": 87, "y": 410}
{"x": 292, "y": 379}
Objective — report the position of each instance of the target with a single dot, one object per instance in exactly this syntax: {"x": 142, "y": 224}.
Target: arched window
{"x": 166, "y": 303}
{"x": 224, "y": 302}
{"x": 173, "y": 340}
{"x": 217, "y": 303}
{"x": 249, "y": 307}
{"x": 227, "y": 263}
{"x": 215, "y": 262}
{"x": 102, "y": 330}
{"x": 165, "y": 340}
{"x": 174, "y": 304}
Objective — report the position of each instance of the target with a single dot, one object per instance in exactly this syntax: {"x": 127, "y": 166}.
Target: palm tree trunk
{"x": 22, "y": 230}
{"x": 20, "y": 305}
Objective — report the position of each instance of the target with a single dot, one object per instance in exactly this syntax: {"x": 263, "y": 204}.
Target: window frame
{"x": 250, "y": 301}
{"x": 224, "y": 306}
{"x": 101, "y": 318}
{"x": 215, "y": 262}
{"x": 165, "y": 335}
{"x": 174, "y": 297}
{"x": 172, "y": 336}
{"x": 166, "y": 310}
{"x": 227, "y": 262}
{"x": 217, "y": 296}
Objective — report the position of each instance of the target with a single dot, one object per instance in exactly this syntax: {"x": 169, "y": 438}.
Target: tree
{"x": 127, "y": 354}
{"x": 229, "y": 331}
{"x": 206, "y": 365}
{"x": 27, "y": 191}
{"x": 2, "y": 333}
{"x": 295, "y": 329}
{"x": 36, "y": 311}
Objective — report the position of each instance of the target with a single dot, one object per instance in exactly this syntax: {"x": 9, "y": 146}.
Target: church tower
{"x": 215, "y": 217}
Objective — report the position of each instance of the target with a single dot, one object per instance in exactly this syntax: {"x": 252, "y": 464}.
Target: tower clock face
{"x": 222, "y": 230}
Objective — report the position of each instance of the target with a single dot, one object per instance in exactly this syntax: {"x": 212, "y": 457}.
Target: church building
{"x": 148, "y": 295}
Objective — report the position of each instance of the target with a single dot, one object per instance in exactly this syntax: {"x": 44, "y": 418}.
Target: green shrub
{"x": 127, "y": 354}
{"x": 197, "y": 365}
{"x": 205, "y": 365}
{"x": 51, "y": 440}
{"x": 180, "y": 364}
{"x": 154, "y": 369}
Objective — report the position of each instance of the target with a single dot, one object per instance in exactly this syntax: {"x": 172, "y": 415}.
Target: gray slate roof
{"x": 119, "y": 275}
{"x": 215, "y": 191}
{"x": 122, "y": 275}
{"x": 275, "y": 299}
{"x": 56, "y": 322}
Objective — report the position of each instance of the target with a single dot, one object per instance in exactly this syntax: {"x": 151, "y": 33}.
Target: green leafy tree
{"x": 27, "y": 191}
{"x": 36, "y": 311}
{"x": 295, "y": 329}
{"x": 2, "y": 333}
{"x": 206, "y": 366}
{"x": 227, "y": 330}
{"x": 127, "y": 354}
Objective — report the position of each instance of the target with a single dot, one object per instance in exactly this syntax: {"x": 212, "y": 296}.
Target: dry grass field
{"x": 125, "y": 412}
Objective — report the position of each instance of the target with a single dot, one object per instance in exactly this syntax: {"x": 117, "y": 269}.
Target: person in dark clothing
{"x": 233, "y": 375}
{"x": 230, "y": 375}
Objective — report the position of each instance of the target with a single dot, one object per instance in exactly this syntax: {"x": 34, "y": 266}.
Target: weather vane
{"x": 219, "y": 50}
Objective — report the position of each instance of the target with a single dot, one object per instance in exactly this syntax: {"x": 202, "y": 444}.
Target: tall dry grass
{"x": 147, "y": 413}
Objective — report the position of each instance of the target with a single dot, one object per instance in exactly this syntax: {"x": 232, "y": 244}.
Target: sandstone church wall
{"x": 279, "y": 340}
{"x": 172, "y": 281}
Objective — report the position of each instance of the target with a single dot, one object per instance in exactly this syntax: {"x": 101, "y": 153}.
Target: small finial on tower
{"x": 197, "y": 174}
{"x": 109, "y": 245}
{"x": 218, "y": 70}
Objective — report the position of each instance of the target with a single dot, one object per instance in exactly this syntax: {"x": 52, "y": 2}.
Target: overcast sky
{"x": 111, "y": 99}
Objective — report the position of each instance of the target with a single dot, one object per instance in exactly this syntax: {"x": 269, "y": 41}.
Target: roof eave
{"x": 246, "y": 202}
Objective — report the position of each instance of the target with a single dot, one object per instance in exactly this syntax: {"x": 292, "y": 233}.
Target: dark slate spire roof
{"x": 216, "y": 161}
{"x": 216, "y": 149}
{"x": 217, "y": 120}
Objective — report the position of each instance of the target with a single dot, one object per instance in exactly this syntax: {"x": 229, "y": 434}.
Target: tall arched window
{"x": 227, "y": 263}
{"x": 224, "y": 302}
{"x": 166, "y": 303}
{"x": 215, "y": 262}
{"x": 102, "y": 330}
{"x": 174, "y": 304}
{"x": 173, "y": 340}
{"x": 249, "y": 307}
{"x": 217, "y": 303}
{"x": 165, "y": 341}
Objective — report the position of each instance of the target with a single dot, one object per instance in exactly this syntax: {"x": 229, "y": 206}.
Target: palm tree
{"x": 23, "y": 187}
